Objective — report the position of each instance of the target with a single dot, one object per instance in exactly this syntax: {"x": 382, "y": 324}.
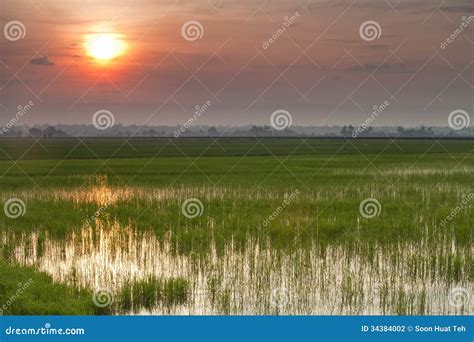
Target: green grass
{"x": 152, "y": 292}
{"x": 102, "y": 148}
{"x": 25, "y": 291}
{"x": 327, "y": 210}
{"x": 241, "y": 182}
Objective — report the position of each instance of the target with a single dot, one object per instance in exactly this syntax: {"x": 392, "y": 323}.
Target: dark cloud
{"x": 458, "y": 9}
{"x": 399, "y": 5}
{"x": 379, "y": 46}
{"x": 369, "y": 67}
{"x": 41, "y": 61}
{"x": 286, "y": 66}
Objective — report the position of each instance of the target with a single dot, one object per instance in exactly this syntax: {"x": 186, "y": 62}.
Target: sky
{"x": 246, "y": 58}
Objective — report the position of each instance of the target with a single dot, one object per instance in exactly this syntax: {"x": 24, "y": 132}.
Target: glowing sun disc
{"x": 105, "y": 46}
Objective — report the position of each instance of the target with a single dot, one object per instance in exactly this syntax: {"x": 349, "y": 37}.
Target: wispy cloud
{"x": 41, "y": 61}
{"x": 385, "y": 67}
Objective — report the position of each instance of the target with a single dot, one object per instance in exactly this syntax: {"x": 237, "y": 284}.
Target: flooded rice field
{"x": 345, "y": 241}
{"x": 118, "y": 263}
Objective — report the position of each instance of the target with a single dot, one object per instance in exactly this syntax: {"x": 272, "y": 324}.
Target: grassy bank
{"x": 25, "y": 291}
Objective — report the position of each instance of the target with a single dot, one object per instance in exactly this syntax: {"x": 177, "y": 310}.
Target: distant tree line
{"x": 419, "y": 132}
{"x": 346, "y": 131}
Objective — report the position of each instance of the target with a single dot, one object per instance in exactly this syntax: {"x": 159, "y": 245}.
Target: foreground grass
{"x": 151, "y": 292}
{"x": 25, "y": 291}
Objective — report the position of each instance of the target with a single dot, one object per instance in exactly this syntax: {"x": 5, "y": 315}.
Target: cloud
{"x": 387, "y": 67}
{"x": 286, "y": 66}
{"x": 458, "y": 9}
{"x": 380, "y": 46}
{"x": 41, "y": 61}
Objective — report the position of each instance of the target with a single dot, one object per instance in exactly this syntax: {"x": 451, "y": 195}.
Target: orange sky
{"x": 319, "y": 68}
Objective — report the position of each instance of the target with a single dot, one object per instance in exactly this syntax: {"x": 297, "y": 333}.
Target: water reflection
{"x": 255, "y": 280}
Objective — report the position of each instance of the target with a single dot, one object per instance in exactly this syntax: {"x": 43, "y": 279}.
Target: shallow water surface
{"x": 252, "y": 280}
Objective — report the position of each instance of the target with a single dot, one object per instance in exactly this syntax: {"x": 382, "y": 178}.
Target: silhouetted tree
{"x": 212, "y": 132}
{"x": 35, "y": 132}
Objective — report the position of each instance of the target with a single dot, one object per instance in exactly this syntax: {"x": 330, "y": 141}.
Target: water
{"x": 254, "y": 280}
{"x": 258, "y": 278}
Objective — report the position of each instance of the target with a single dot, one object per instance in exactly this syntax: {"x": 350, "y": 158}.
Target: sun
{"x": 105, "y": 46}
